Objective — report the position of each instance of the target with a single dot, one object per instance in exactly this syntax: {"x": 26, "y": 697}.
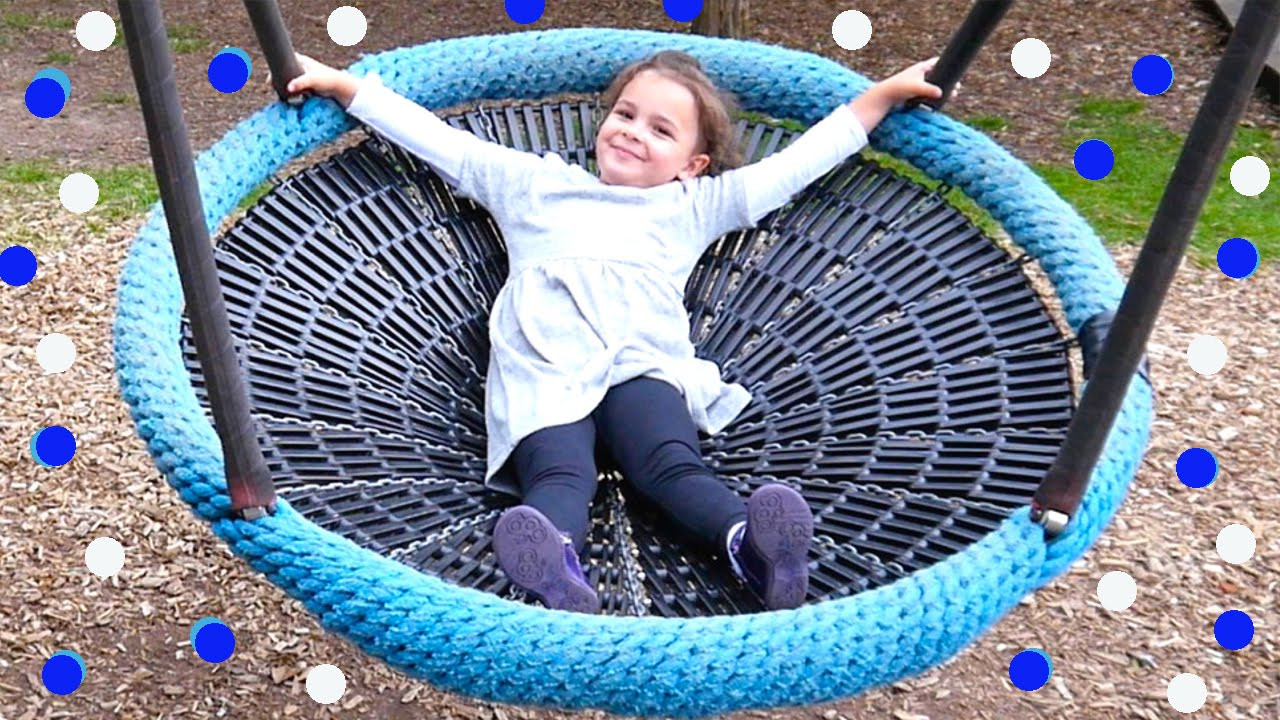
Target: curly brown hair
{"x": 715, "y": 107}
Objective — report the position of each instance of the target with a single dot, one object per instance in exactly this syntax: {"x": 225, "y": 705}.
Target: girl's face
{"x": 650, "y": 136}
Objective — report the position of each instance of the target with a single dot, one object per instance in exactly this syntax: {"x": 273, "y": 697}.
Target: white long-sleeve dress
{"x": 595, "y": 292}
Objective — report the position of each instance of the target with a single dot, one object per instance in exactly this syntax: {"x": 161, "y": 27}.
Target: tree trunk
{"x": 723, "y": 18}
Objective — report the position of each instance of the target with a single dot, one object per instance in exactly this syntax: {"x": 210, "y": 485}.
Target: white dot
{"x": 1250, "y": 175}
{"x": 78, "y": 192}
{"x": 1187, "y": 693}
{"x": 851, "y": 30}
{"x": 104, "y": 557}
{"x": 1030, "y": 57}
{"x": 1117, "y": 591}
{"x": 1206, "y": 354}
{"x": 347, "y": 26}
{"x": 326, "y": 684}
{"x": 1236, "y": 544}
{"x": 55, "y": 352}
{"x": 96, "y": 30}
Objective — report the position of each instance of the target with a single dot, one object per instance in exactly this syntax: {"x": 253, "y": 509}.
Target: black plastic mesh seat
{"x": 906, "y": 377}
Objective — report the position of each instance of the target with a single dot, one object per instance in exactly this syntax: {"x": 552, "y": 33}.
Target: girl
{"x": 589, "y": 335}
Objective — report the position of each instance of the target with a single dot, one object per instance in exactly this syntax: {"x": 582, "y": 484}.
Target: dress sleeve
{"x": 741, "y": 197}
{"x": 482, "y": 170}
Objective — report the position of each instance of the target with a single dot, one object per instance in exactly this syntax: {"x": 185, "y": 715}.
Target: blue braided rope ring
{"x": 474, "y": 643}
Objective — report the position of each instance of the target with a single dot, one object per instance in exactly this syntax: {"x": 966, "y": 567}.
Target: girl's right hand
{"x": 323, "y": 80}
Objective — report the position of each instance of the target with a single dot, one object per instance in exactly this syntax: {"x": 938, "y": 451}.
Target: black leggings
{"x": 645, "y": 425}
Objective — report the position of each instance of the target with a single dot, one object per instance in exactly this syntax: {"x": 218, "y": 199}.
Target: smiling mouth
{"x": 626, "y": 153}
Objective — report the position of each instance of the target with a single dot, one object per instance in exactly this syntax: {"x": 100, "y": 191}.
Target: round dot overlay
{"x": 104, "y": 557}
{"x": 1234, "y": 630}
{"x": 682, "y": 10}
{"x": 1030, "y": 669}
{"x": 1236, "y": 543}
{"x": 326, "y": 684}
{"x": 1152, "y": 75}
{"x": 347, "y": 26}
{"x": 53, "y": 446}
{"x": 213, "y": 640}
{"x": 1117, "y": 591}
{"x": 95, "y": 31}
{"x": 1206, "y": 354}
{"x": 525, "y": 12}
{"x": 1250, "y": 176}
{"x": 1197, "y": 467}
{"x": 1187, "y": 693}
{"x": 63, "y": 672}
{"x": 45, "y": 97}
{"x": 17, "y": 265}
{"x": 1238, "y": 258}
{"x": 851, "y": 30}
{"x": 1031, "y": 57}
{"x": 78, "y": 193}
{"x": 229, "y": 70}
{"x": 55, "y": 353}
{"x": 1094, "y": 159}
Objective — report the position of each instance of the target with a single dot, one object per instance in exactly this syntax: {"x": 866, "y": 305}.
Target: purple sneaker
{"x": 538, "y": 558}
{"x": 772, "y": 549}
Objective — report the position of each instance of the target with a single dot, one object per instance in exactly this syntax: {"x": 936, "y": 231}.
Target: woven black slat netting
{"x": 906, "y": 377}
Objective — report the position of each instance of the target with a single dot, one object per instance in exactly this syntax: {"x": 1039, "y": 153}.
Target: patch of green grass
{"x": 18, "y": 21}
{"x": 1121, "y": 206}
{"x": 25, "y": 174}
{"x": 116, "y": 98}
{"x": 58, "y": 57}
{"x": 22, "y": 22}
{"x": 254, "y": 194}
{"x": 988, "y": 123}
{"x": 755, "y": 117}
{"x": 186, "y": 38}
{"x": 124, "y": 192}
{"x": 954, "y": 196}
{"x": 1109, "y": 108}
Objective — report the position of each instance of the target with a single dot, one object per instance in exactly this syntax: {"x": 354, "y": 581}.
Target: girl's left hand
{"x": 880, "y": 99}
{"x": 910, "y": 83}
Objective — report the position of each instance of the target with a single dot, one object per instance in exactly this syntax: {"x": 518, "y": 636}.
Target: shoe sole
{"x": 781, "y": 531}
{"x": 530, "y": 551}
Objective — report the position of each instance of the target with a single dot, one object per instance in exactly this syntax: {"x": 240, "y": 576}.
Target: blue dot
{"x": 525, "y": 12}
{"x": 53, "y": 446}
{"x": 1238, "y": 258}
{"x": 1197, "y": 467}
{"x": 1094, "y": 159}
{"x": 1234, "y": 630}
{"x": 1152, "y": 75}
{"x": 63, "y": 81}
{"x": 229, "y": 70}
{"x": 45, "y": 97}
{"x": 17, "y": 265}
{"x": 63, "y": 672}
{"x": 1030, "y": 669}
{"x": 682, "y": 10}
{"x": 213, "y": 640}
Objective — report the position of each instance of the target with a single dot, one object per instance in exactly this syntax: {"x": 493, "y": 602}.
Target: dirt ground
{"x": 132, "y": 630}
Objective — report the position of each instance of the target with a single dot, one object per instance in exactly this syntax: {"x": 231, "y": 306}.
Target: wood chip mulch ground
{"x": 132, "y": 630}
